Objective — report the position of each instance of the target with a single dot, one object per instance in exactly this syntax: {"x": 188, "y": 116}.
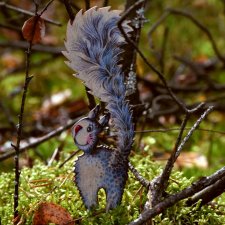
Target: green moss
{"x": 42, "y": 183}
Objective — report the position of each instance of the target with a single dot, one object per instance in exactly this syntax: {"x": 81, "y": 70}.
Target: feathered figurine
{"x": 93, "y": 47}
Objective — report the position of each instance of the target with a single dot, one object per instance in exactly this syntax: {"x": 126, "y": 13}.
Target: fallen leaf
{"x": 48, "y": 212}
{"x": 34, "y": 29}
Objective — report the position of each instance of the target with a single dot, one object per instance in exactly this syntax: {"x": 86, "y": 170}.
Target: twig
{"x": 163, "y": 49}
{"x": 11, "y": 71}
{"x": 27, "y": 80}
{"x": 90, "y": 97}
{"x": 161, "y": 183}
{"x": 187, "y": 137}
{"x": 160, "y": 75}
{"x": 157, "y": 23}
{"x": 208, "y": 194}
{"x": 20, "y": 124}
{"x": 173, "y": 199}
{"x": 10, "y": 27}
{"x": 37, "y": 47}
{"x": 58, "y": 150}
{"x": 87, "y": 4}
{"x": 193, "y": 66}
{"x": 202, "y": 27}
{"x": 105, "y": 3}
{"x": 131, "y": 8}
{"x": 69, "y": 10}
{"x": 40, "y": 140}
{"x": 138, "y": 176}
{"x": 195, "y": 21}
{"x": 69, "y": 158}
{"x": 25, "y": 12}
{"x": 178, "y": 129}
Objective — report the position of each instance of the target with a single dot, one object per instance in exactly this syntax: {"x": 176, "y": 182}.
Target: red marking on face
{"x": 77, "y": 128}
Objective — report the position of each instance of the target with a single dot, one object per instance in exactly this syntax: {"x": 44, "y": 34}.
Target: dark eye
{"x": 89, "y": 129}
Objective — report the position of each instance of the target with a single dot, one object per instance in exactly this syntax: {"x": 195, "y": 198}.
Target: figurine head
{"x": 85, "y": 131}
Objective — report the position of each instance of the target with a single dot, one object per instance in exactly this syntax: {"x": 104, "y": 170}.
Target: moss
{"x": 43, "y": 183}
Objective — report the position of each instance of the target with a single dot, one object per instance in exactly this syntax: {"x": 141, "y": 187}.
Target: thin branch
{"x": 163, "y": 49}
{"x": 37, "y": 47}
{"x": 208, "y": 194}
{"x": 202, "y": 27}
{"x": 160, "y": 75}
{"x": 178, "y": 129}
{"x": 27, "y": 80}
{"x": 157, "y": 23}
{"x": 69, "y": 10}
{"x": 187, "y": 137}
{"x": 173, "y": 199}
{"x": 69, "y": 158}
{"x": 40, "y": 140}
{"x": 105, "y": 3}
{"x": 138, "y": 176}
{"x": 45, "y": 8}
{"x": 87, "y": 4}
{"x": 25, "y": 12}
{"x": 160, "y": 184}
{"x": 90, "y": 97}
{"x": 10, "y": 27}
{"x": 195, "y": 21}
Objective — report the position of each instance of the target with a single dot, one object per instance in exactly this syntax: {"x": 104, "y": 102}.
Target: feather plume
{"x": 93, "y": 48}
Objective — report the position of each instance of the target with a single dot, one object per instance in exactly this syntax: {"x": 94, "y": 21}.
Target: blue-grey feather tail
{"x": 93, "y": 48}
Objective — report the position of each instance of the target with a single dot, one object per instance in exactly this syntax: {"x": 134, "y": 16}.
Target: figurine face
{"x": 85, "y": 133}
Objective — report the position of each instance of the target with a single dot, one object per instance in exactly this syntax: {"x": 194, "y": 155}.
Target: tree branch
{"x": 160, "y": 75}
{"x": 25, "y": 12}
{"x": 40, "y": 140}
{"x": 185, "y": 193}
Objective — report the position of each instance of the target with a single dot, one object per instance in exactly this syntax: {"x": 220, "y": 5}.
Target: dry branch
{"x": 39, "y": 141}
{"x": 26, "y": 12}
{"x": 185, "y": 193}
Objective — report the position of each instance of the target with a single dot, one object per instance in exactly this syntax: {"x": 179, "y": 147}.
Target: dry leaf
{"x": 48, "y": 212}
{"x": 34, "y": 29}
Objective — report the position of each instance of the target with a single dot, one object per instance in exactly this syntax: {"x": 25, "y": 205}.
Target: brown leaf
{"x": 34, "y": 29}
{"x": 48, "y": 212}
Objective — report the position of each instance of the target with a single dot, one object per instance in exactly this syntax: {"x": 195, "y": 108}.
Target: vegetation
{"x": 179, "y": 47}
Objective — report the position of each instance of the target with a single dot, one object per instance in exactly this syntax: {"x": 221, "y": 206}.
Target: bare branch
{"x": 208, "y": 194}
{"x": 69, "y": 10}
{"x": 202, "y": 27}
{"x": 87, "y": 4}
{"x": 25, "y": 12}
{"x": 185, "y": 193}
{"x": 160, "y": 75}
{"x": 37, "y": 47}
{"x": 195, "y": 21}
{"x": 69, "y": 158}
{"x": 138, "y": 176}
{"x": 40, "y": 140}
